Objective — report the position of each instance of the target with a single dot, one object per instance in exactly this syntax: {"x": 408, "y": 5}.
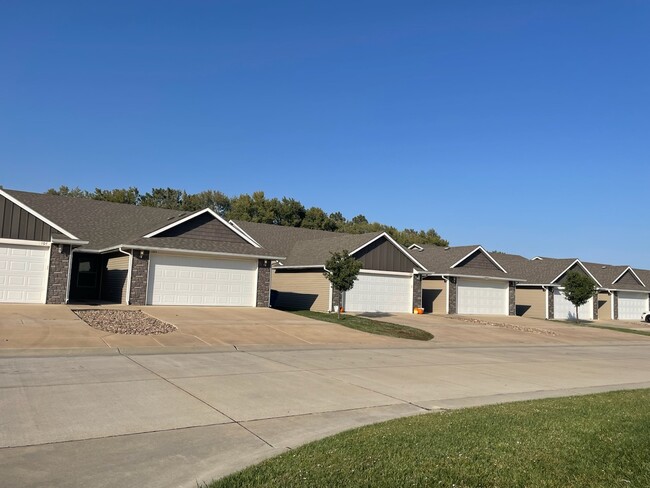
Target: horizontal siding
{"x": 434, "y": 296}
{"x": 300, "y": 291}
{"x": 114, "y": 278}
{"x": 604, "y": 306}
{"x": 531, "y": 302}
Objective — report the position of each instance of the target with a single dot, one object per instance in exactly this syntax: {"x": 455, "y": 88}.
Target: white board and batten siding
{"x": 482, "y": 297}
{"x": 184, "y": 280}
{"x": 23, "y": 273}
{"x": 563, "y": 309}
{"x": 380, "y": 293}
{"x": 631, "y": 305}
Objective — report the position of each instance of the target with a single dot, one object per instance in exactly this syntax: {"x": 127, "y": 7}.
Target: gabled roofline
{"x": 479, "y": 248}
{"x": 629, "y": 268}
{"x": 395, "y": 243}
{"x": 237, "y": 231}
{"x": 416, "y": 247}
{"x": 243, "y": 232}
{"x": 36, "y": 214}
{"x": 582, "y": 266}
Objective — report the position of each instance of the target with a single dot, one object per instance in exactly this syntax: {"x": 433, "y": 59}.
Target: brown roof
{"x": 306, "y": 247}
{"x": 106, "y": 225}
{"x": 439, "y": 260}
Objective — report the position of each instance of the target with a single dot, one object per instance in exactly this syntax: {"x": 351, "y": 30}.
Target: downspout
{"x": 67, "y": 288}
{"x": 128, "y": 275}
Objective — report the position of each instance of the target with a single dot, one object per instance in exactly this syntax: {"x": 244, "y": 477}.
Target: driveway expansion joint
{"x": 200, "y": 400}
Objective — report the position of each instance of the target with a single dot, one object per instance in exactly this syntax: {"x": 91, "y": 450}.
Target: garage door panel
{"x": 23, "y": 273}
{"x": 631, "y": 305}
{"x": 482, "y": 297}
{"x": 181, "y": 280}
{"x": 380, "y": 293}
{"x": 563, "y": 309}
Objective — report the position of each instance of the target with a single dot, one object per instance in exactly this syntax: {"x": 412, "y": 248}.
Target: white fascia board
{"x": 534, "y": 284}
{"x": 478, "y": 277}
{"x": 571, "y": 266}
{"x": 479, "y": 248}
{"x": 244, "y": 233}
{"x": 22, "y": 242}
{"x": 236, "y": 230}
{"x": 641, "y": 292}
{"x": 415, "y": 246}
{"x": 392, "y": 241}
{"x": 375, "y": 272}
{"x": 307, "y": 266}
{"x": 189, "y": 251}
{"x": 36, "y": 214}
{"x": 72, "y": 242}
{"x": 629, "y": 268}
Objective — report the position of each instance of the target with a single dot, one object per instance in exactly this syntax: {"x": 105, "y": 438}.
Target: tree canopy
{"x": 342, "y": 270}
{"x": 578, "y": 289}
{"x": 253, "y": 208}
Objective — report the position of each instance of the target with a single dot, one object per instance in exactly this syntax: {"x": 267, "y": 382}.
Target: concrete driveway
{"x": 57, "y": 327}
{"x": 168, "y": 420}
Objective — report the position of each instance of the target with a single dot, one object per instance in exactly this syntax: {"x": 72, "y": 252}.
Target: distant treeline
{"x": 253, "y": 208}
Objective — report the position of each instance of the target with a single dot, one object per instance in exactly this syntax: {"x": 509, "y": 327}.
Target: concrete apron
{"x": 175, "y": 419}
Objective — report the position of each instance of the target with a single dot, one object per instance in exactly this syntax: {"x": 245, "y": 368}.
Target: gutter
{"x": 189, "y": 251}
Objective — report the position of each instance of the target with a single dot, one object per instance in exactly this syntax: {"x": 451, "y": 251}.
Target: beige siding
{"x": 434, "y": 295}
{"x": 604, "y": 306}
{"x": 531, "y": 302}
{"x": 301, "y": 290}
{"x": 114, "y": 279}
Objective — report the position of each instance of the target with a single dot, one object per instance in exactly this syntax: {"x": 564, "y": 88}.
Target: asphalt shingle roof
{"x": 106, "y": 225}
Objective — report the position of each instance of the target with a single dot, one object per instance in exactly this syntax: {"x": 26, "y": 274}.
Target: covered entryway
{"x": 563, "y": 309}
{"x": 185, "y": 280}
{"x": 482, "y": 297}
{"x": 631, "y": 305}
{"x": 380, "y": 293}
{"x": 23, "y": 273}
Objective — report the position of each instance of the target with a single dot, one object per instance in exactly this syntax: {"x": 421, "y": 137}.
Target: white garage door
{"x": 380, "y": 293}
{"x": 181, "y": 280}
{"x": 482, "y": 297}
{"x": 563, "y": 309}
{"x": 631, "y": 305}
{"x": 23, "y": 273}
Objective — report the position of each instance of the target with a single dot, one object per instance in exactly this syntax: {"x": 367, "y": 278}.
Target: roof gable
{"x": 576, "y": 266}
{"x": 628, "y": 277}
{"x": 207, "y": 225}
{"x": 22, "y": 222}
{"x": 389, "y": 241}
{"x": 382, "y": 255}
{"x": 479, "y": 258}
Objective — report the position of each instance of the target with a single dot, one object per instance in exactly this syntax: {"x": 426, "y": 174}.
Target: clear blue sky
{"x": 524, "y": 126}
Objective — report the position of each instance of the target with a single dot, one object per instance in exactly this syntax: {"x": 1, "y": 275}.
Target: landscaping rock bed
{"x": 133, "y": 322}
{"x": 519, "y": 328}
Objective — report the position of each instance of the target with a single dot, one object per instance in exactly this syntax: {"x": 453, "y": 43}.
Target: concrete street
{"x": 163, "y": 419}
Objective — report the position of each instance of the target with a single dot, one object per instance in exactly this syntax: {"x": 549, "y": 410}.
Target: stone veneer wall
{"x": 512, "y": 299}
{"x": 595, "y": 306}
{"x": 57, "y": 279}
{"x": 263, "y": 283}
{"x": 453, "y": 292}
{"x": 615, "y": 304}
{"x": 550, "y": 303}
{"x": 417, "y": 291}
{"x": 139, "y": 276}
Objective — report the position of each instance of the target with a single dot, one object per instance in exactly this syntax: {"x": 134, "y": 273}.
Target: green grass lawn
{"x": 368, "y": 325}
{"x": 589, "y": 441}
{"x": 620, "y": 329}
